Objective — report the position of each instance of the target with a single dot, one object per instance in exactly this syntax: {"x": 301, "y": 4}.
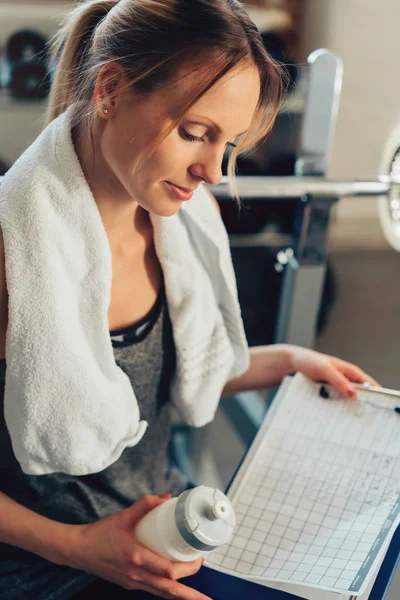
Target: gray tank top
{"x": 146, "y": 353}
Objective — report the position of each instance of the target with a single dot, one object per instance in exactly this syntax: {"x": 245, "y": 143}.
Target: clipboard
{"x": 218, "y": 581}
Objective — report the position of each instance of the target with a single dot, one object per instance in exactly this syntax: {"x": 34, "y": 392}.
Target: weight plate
{"x": 389, "y": 206}
{"x": 29, "y": 81}
{"x": 25, "y": 45}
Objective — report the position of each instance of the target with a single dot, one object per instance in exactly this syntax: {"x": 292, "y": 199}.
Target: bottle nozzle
{"x": 218, "y": 510}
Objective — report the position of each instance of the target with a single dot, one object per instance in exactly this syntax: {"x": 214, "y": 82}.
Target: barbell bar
{"x": 259, "y": 188}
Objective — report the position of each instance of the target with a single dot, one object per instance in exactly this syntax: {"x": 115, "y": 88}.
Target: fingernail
{"x": 164, "y": 495}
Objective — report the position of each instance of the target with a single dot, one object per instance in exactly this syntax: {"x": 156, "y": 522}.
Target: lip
{"x": 178, "y": 192}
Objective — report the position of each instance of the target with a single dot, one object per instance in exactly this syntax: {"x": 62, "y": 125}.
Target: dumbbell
{"x": 26, "y": 63}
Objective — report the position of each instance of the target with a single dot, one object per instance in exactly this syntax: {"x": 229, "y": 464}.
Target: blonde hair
{"x": 152, "y": 40}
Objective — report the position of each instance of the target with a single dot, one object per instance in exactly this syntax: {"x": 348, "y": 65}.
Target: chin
{"x": 166, "y": 211}
{"x": 164, "y": 208}
{"x": 159, "y": 203}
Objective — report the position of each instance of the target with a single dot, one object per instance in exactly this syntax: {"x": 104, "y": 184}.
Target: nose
{"x": 209, "y": 168}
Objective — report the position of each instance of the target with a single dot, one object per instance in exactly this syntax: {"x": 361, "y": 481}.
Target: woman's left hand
{"x": 322, "y": 367}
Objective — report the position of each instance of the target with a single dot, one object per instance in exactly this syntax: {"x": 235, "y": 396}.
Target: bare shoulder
{"x": 213, "y": 198}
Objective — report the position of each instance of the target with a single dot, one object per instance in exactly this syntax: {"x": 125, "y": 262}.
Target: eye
{"x": 191, "y": 138}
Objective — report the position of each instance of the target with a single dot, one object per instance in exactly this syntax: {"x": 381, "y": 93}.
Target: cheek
{"x": 172, "y": 156}
{"x": 121, "y": 148}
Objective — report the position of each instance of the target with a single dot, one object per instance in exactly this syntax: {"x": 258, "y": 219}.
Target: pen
{"x": 380, "y": 390}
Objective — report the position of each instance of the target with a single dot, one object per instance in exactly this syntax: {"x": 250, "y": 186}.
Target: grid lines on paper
{"x": 317, "y": 496}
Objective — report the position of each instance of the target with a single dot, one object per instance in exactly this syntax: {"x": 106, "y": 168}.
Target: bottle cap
{"x": 205, "y": 518}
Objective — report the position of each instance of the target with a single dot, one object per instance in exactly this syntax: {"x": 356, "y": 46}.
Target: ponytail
{"x": 70, "y": 50}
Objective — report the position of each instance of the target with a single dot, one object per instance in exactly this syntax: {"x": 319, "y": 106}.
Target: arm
{"x": 268, "y": 366}
{"x": 21, "y": 527}
{"x": 106, "y": 548}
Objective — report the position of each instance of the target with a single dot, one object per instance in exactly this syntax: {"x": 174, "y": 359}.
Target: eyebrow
{"x": 206, "y": 121}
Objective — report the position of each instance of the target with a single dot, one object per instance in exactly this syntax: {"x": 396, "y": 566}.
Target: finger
{"x": 153, "y": 590}
{"x": 339, "y": 382}
{"x": 173, "y": 588}
{"x": 164, "y": 567}
{"x": 354, "y": 373}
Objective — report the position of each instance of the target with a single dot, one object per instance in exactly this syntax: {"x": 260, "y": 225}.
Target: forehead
{"x": 231, "y": 102}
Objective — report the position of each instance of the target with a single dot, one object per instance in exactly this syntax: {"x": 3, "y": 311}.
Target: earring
{"x": 105, "y": 111}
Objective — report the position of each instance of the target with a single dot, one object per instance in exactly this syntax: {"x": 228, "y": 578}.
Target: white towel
{"x": 68, "y": 406}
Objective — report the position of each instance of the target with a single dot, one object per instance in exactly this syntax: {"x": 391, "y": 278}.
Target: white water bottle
{"x": 189, "y": 526}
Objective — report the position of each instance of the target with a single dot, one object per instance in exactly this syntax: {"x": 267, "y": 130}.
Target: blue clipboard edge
{"x": 220, "y": 586}
{"x": 387, "y": 569}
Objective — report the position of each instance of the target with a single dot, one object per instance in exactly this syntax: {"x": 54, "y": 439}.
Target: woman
{"x": 150, "y": 93}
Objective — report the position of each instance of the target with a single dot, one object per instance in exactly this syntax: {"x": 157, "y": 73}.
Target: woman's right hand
{"x": 109, "y": 549}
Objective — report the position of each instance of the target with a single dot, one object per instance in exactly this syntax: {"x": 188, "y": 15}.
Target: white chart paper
{"x": 318, "y": 496}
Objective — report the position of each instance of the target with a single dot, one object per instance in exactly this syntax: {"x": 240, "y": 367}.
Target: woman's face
{"x": 190, "y": 154}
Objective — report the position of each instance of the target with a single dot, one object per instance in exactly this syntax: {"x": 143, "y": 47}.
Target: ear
{"x": 109, "y": 84}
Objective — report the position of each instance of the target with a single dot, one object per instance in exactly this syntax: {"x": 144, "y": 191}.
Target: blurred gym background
{"x": 359, "y": 309}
